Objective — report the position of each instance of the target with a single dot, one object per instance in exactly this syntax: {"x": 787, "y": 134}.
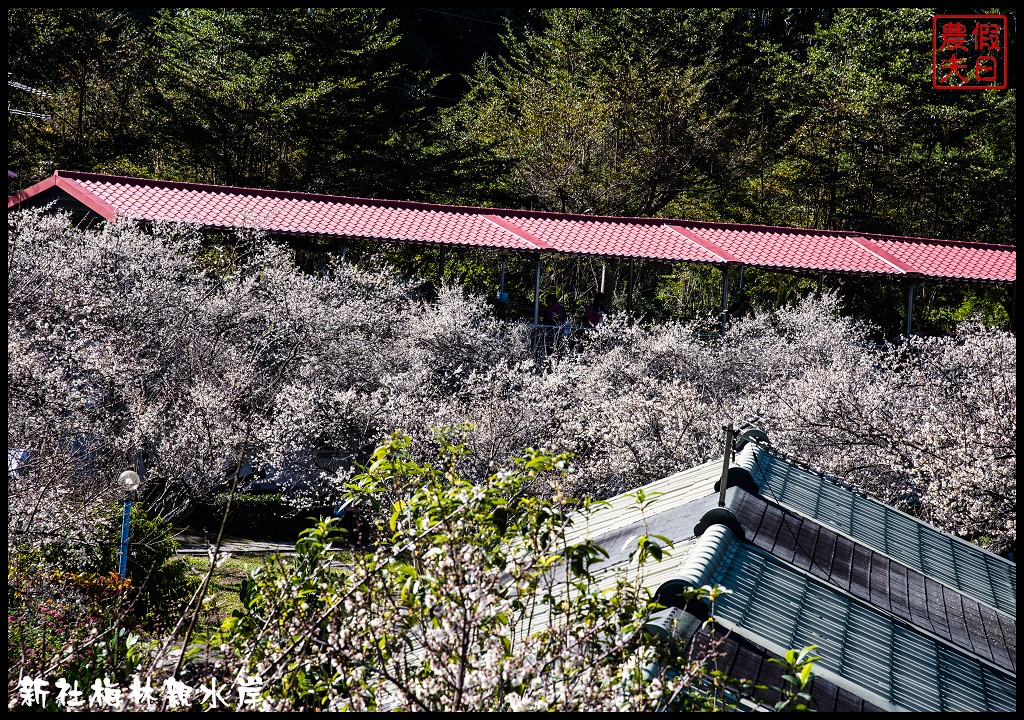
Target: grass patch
{"x": 222, "y": 592}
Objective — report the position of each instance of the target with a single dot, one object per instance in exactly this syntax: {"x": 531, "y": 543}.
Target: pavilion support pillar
{"x": 908, "y": 321}
{"x": 725, "y": 298}
{"x": 502, "y": 296}
{"x": 1013, "y": 309}
{"x": 629, "y": 289}
{"x": 819, "y": 284}
{"x": 536, "y": 294}
{"x": 440, "y": 266}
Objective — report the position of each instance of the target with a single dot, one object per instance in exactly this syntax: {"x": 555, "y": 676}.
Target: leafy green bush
{"x": 77, "y": 625}
{"x": 70, "y": 615}
{"x": 162, "y": 583}
{"x": 470, "y": 600}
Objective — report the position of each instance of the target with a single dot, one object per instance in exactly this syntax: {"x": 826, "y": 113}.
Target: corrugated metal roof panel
{"x": 738, "y": 657}
{"x": 616, "y": 238}
{"x": 962, "y": 565}
{"x": 779, "y": 248}
{"x": 792, "y": 249}
{"x": 778, "y": 607}
{"x": 889, "y": 637}
{"x": 680, "y": 500}
{"x": 878, "y": 580}
{"x": 961, "y": 261}
{"x": 653, "y": 576}
{"x": 301, "y": 214}
{"x": 670, "y": 492}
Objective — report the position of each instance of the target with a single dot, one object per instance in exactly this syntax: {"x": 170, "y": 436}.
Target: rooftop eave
{"x": 71, "y": 188}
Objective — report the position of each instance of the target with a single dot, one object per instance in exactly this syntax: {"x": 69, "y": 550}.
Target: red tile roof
{"x": 292, "y": 213}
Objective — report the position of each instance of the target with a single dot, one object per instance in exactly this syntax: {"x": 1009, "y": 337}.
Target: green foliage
{"x": 940, "y": 309}
{"x": 77, "y": 625}
{"x": 258, "y": 516}
{"x": 795, "y": 691}
{"x": 161, "y": 582}
{"x": 795, "y": 117}
{"x": 74, "y": 611}
{"x": 71, "y": 616}
{"x": 289, "y": 98}
{"x": 471, "y": 599}
{"x": 604, "y": 112}
{"x": 98, "y": 119}
{"x": 231, "y": 571}
{"x": 867, "y": 144}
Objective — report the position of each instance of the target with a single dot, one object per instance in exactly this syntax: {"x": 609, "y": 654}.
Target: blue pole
{"x": 125, "y": 522}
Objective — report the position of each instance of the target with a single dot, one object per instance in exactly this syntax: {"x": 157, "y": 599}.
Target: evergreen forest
{"x": 814, "y": 118}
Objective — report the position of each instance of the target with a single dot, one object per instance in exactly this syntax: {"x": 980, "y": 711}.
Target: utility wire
{"x": 462, "y": 17}
{"x": 35, "y": 91}
{"x": 21, "y": 86}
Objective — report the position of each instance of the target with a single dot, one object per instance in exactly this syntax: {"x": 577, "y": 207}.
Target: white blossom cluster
{"x": 427, "y": 622}
{"x": 209, "y": 362}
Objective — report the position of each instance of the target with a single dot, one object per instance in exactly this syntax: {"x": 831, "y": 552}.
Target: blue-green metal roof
{"x": 905, "y": 617}
{"x": 957, "y": 563}
{"x": 904, "y": 593}
{"x": 887, "y": 661}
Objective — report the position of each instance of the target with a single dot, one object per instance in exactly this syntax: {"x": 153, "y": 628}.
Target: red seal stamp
{"x": 969, "y": 52}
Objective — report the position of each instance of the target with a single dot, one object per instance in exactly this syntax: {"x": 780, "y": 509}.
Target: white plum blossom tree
{"x": 207, "y": 360}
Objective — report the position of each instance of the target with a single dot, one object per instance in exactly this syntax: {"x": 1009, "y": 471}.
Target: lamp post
{"x": 129, "y": 480}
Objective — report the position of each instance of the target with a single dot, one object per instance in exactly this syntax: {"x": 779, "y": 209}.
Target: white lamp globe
{"x": 129, "y": 480}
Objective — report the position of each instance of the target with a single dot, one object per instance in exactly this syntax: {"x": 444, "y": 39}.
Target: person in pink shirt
{"x": 594, "y": 314}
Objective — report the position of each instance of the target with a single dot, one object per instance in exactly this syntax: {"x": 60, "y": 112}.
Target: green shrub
{"x": 73, "y": 614}
{"x": 77, "y": 624}
{"x": 443, "y": 612}
{"x": 162, "y": 583}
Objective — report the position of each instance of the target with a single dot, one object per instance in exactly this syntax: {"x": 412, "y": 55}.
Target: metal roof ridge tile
{"x": 711, "y": 552}
{"x": 703, "y": 243}
{"x": 884, "y": 255}
{"x": 517, "y": 231}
